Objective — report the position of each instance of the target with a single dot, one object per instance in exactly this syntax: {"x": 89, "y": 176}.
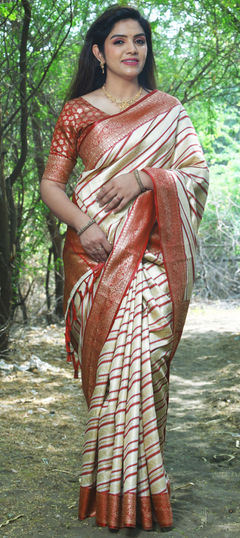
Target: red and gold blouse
{"x": 76, "y": 118}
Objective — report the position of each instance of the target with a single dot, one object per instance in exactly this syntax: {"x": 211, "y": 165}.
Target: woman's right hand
{"x": 95, "y": 243}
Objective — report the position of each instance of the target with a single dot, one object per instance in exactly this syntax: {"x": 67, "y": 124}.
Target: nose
{"x": 132, "y": 47}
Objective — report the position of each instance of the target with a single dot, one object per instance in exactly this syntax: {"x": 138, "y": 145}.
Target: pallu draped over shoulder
{"x": 124, "y": 318}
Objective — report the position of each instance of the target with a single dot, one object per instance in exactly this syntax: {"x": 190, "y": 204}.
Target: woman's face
{"x": 125, "y": 49}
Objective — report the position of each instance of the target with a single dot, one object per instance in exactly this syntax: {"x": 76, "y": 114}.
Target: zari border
{"x": 127, "y": 510}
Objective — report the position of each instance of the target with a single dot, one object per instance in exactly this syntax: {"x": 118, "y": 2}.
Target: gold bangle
{"x": 139, "y": 181}
{"x": 84, "y": 228}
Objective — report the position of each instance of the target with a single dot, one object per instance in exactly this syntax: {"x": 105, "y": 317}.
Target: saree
{"x": 124, "y": 318}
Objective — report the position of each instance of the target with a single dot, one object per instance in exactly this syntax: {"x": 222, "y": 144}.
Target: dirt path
{"x": 42, "y": 421}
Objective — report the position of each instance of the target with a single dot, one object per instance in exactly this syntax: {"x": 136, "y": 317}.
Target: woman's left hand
{"x": 119, "y": 191}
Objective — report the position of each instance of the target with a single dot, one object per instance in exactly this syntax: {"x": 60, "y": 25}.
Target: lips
{"x": 129, "y": 61}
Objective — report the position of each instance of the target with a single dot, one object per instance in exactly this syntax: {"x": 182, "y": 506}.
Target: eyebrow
{"x": 122, "y": 35}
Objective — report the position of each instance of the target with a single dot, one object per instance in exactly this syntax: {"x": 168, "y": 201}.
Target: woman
{"x": 129, "y": 261}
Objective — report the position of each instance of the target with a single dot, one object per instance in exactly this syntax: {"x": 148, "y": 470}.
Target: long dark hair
{"x": 89, "y": 76}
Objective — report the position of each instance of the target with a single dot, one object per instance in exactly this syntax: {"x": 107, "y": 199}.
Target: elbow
{"x": 46, "y": 189}
{"x": 43, "y": 190}
{"x": 49, "y": 190}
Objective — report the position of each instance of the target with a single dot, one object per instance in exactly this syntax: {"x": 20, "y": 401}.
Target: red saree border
{"x": 172, "y": 245}
{"x": 116, "y": 278}
{"x": 118, "y": 511}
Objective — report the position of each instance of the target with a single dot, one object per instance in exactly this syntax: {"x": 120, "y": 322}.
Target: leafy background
{"x": 196, "y": 48}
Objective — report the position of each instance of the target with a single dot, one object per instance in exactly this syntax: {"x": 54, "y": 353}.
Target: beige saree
{"x": 125, "y": 318}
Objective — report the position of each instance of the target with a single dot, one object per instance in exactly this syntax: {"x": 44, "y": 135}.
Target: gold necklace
{"x": 119, "y": 102}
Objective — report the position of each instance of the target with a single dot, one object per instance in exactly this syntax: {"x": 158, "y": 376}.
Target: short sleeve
{"x": 64, "y": 141}
{"x": 71, "y": 127}
{"x": 63, "y": 151}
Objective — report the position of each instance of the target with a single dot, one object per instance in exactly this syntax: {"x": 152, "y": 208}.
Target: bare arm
{"x": 93, "y": 239}
{"x": 54, "y": 196}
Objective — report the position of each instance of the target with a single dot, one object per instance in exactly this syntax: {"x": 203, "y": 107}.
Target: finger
{"x": 120, "y": 206}
{"x": 99, "y": 259}
{"x": 107, "y": 246}
{"x": 104, "y": 191}
{"x": 107, "y": 198}
{"x": 114, "y": 203}
{"x": 101, "y": 254}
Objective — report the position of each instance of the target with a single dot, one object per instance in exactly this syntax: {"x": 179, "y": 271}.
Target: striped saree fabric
{"x": 125, "y": 318}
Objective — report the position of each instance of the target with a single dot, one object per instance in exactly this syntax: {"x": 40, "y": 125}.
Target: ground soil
{"x": 42, "y": 422}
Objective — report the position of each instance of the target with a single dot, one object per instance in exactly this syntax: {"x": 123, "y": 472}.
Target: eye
{"x": 140, "y": 41}
{"x": 118, "y": 42}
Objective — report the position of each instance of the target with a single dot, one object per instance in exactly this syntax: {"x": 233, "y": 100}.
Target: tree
{"x": 197, "y": 55}
{"x": 21, "y": 49}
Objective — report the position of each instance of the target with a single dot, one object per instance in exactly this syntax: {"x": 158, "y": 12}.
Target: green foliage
{"x": 7, "y": 11}
{"x": 220, "y": 229}
{"x": 222, "y": 224}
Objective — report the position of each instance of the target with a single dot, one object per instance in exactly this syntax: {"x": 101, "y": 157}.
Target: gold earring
{"x": 102, "y": 65}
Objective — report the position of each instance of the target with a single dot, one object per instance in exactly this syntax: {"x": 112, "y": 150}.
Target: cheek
{"x": 110, "y": 53}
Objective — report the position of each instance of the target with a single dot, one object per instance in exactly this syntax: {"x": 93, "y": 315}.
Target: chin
{"x": 132, "y": 71}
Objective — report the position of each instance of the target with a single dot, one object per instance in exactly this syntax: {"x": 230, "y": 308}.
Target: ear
{"x": 97, "y": 53}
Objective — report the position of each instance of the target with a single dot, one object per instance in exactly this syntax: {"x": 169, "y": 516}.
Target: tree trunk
{"x": 56, "y": 237}
{"x": 5, "y": 256}
{"x": 7, "y": 208}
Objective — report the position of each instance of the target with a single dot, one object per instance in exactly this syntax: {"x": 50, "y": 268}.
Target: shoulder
{"x": 82, "y": 105}
{"x": 74, "y": 114}
{"x": 73, "y": 107}
{"x": 165, "y": 99}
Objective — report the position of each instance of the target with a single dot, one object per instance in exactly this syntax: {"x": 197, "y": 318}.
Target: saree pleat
{"x": 122, "y": 456}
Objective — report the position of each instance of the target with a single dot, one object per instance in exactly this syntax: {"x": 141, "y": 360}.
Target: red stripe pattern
{"x": 124, "y": 436}
{"x": 123, "y": 476}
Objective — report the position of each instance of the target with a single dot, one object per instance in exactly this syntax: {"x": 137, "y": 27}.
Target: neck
{"x": 119, "y": 87}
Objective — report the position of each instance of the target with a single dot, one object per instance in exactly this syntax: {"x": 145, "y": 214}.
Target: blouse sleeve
{"x": 63, "y": 151}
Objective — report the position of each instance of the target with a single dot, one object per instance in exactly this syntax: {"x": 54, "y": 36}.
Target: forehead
{"x": 126, "y": 27}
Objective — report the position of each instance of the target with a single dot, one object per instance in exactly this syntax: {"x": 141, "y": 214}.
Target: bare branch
{"x": 23, "y": 82}
{"x": 45, "y": 71}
